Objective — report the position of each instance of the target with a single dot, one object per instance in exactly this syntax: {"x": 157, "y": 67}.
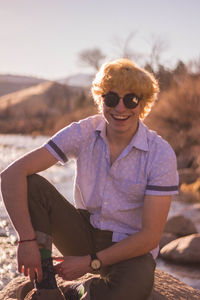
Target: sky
{"x": 43, "y": 38}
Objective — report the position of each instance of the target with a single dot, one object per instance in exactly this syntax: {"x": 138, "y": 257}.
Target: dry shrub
{"x": 75, "y": 116}
{"x": 176, "y": 115}
{"x": 191, "y": 191}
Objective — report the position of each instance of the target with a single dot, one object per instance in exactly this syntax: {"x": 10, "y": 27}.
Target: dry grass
{"x": 76, "y": 115}
{"x": 191, "y": 191}
{"x": 176, "y": 115}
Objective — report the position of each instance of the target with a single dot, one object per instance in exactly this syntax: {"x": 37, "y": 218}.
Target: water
{"x": 14, "y": 146}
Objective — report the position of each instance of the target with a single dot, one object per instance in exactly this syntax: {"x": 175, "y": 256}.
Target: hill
{"x": 83, "y": 80}
{"x": 13, "y": 83}
{"x": 44, "y": 108}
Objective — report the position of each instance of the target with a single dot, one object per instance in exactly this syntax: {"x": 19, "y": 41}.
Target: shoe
{"x": 28, "y": 292}
{"x": 45, "y": 294}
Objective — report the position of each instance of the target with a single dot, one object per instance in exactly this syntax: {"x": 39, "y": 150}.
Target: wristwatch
{"x": 95, "y": 263}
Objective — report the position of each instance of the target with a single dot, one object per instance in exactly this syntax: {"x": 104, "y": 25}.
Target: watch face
{"x": 95, "y": 264}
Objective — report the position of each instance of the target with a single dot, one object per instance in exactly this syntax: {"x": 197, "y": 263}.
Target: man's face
{"x": 120, "y": 119}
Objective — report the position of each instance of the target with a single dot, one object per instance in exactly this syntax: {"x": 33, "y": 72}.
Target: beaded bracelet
{"x": 22, "y": 241}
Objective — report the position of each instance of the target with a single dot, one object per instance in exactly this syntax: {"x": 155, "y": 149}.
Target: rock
{"x": 3, "y": 232}
{"x": 187, "y": 175}
{"x": 165, "y": 287}
{"x": 169, "y": 287}
{"x": 180, "y": 226}
{"x": 166, "y": 238}
{"x": 183, "y": 250}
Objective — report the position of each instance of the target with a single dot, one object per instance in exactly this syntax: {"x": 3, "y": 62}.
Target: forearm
{"x": 14, "y": 193}
{"x": 154, "y": 217}
{"x": 138, "y": 244}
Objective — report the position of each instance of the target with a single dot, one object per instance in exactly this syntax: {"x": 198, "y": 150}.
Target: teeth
{"x": 120, "y": 117}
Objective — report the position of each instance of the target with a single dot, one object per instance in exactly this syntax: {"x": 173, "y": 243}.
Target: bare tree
{"x": 124, "y": 48}
{"x": 91, "y": 58}
{"x": 157, "y": 47}
{"x": 194, "y": 65}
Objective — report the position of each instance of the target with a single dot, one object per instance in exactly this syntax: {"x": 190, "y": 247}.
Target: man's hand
{"x": 72, "y": 267}
{"x": 29, "y": 261}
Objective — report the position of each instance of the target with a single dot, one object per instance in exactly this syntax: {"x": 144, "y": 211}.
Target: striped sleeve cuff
{"x": 56, "y": 151}
{"x": 161, "y": 190}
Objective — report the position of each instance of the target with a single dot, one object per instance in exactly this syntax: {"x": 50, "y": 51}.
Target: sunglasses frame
{"x": 128, "y": 102}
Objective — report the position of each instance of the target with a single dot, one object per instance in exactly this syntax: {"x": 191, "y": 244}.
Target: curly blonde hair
{"x": 125, "y": 75}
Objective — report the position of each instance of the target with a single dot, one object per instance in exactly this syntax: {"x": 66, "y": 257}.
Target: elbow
{"x": 3, "y": 176}
{"x": 12, "y": 172}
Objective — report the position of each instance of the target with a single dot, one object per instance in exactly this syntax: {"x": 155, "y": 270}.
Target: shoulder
{"x": 88, "y": 126}
{"x": 158, "y": 146}
{"x": 83, "y": 127}
{"x": 91, "y": 122}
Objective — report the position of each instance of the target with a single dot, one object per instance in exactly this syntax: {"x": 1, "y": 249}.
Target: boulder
{"x": 180, "y": 226}
{"x": 183, "y": 250}
{"x": 171, "y": 288}
{"x": 166, "y": 238}
{"x": 165, "y": 287}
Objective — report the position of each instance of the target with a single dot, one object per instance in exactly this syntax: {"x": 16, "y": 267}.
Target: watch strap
{"x": 93, "y": 256}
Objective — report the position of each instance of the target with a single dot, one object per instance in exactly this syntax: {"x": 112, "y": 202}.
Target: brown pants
{"x": 56, "y": 220}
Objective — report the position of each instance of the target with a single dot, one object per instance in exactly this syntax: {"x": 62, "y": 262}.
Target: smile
{"x": 120, "y": 117}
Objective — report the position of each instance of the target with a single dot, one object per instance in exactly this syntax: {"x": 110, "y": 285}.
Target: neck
{"x": 115, "y": 137}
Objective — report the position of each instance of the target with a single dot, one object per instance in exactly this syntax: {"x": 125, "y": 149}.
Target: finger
{"x": 19, "y": 268}
{"x": 39, "y": 273}
{"x": 26, "y": 271}
{"x": 31, "y": 274}
{"x": 61, "y": 258}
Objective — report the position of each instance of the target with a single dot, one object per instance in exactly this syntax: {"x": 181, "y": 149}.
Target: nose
{"x": 120, "y": 106}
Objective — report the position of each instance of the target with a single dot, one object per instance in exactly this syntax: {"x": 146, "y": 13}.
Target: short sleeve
{"x": 66, "y": 144}
{"x": 163, "y": 175}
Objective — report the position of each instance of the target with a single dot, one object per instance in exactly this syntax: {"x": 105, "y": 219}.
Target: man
{"x": 125, "y": 178}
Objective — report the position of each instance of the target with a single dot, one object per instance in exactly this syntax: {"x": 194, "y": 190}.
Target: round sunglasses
{"x": 112, "y": 99}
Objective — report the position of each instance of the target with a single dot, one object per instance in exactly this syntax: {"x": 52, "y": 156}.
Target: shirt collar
{"x": 139, "y": 141}
{"x": 101, "y": 128}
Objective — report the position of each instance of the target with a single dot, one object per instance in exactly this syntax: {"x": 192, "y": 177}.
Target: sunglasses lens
{"x": 111, "y": 99}
{"x": 131, "y": 100}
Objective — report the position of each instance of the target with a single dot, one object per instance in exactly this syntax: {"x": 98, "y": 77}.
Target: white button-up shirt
{"x": 114, "y": 194}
